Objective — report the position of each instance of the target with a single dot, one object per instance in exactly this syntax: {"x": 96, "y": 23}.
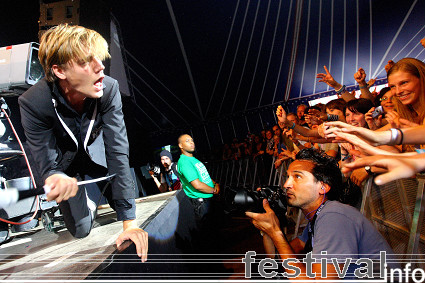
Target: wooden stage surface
{"x": 42, "y": 255}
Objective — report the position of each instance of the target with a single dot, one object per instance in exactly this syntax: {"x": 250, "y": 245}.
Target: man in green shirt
{"x": 196, "y": 181}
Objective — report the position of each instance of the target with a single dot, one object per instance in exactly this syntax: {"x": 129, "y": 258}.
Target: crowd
{"x": 344, "y": 127}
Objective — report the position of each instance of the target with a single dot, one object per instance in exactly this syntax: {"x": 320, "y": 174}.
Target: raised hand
{"x": 360, "y": 77}
{"x": 389, "y": 65}
{"x": 328, "y": 79}
{"x": 281, "y": 116}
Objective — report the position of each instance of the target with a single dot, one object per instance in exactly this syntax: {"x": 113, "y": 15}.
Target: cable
{"x": 28, "y": 165}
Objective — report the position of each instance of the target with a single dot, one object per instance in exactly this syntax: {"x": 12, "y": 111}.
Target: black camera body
{"x": 155, "y": 169}
{"x": 248, "y": 200}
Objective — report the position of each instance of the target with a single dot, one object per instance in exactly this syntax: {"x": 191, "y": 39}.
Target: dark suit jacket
{"x": 52, "y": 133}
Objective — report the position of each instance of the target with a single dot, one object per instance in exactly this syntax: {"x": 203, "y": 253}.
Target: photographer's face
{"x": 165, "y": 161}
{"x": 302, "y": 188}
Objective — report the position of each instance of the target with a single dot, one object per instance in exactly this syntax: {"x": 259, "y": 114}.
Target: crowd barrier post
{"x": 366, "y": 194}
{"x": 418, "y": 217}
{"x": 255, "y": 174}
{"x": 231, "y": 174}
{"x": 239, "y": 162}
{"x": 271, "y": 169}
{"x": 246, "y": 171}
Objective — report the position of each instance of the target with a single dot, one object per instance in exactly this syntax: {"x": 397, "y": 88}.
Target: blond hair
{"x": 64, "y": 43}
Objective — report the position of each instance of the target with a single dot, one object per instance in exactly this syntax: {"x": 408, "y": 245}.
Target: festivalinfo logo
{"x": 364, "y": 269}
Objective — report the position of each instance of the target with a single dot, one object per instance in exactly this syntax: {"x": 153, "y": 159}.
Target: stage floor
{"x": 42, "y": 255}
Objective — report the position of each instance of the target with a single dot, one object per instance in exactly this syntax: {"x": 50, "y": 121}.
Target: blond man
{"x": 74, "y": 126}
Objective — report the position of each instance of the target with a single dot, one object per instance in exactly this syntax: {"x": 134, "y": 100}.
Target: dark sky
{"x": 19, "y": 21}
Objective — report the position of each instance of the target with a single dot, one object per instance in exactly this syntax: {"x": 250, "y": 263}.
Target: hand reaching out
{"x": 328, "y": 79}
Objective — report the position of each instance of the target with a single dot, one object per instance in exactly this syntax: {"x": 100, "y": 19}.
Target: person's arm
{"x": 360, "y": 77}
{"x": 411, "y": 135}
{"x": 284, "y": 123}
{"x": 117, "y": 151}
{"x": 37, "y": 117}
{"x": 202, "y": 187}
{"x": 398, "y": 167}
{"x": 268, "y": 223}
{"x": 162, "y": 186}
{"x": 330, "y": 81}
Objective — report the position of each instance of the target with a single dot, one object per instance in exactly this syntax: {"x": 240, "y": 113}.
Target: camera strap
{"x": 309, "y": 244}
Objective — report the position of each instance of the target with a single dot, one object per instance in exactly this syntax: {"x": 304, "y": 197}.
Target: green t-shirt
{"x": 190, "y": 169}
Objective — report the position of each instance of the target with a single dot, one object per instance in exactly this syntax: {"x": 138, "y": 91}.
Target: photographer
{"x": 168, "y": 176}
{"x": 313, "y": 185}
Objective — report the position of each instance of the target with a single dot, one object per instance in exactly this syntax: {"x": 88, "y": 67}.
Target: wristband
{"x": 341, "y": 89}
{"x": 293, "y": 126}
{"x": 346, "y": 157}
{"x": 394, "y": 136}
{"x": 363, "y": 86}
{"x": 402, "y": 136}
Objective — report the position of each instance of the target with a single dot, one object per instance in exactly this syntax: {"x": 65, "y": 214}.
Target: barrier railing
{"x": 396, "y": 209}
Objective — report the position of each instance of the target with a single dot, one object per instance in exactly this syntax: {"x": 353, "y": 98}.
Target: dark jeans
{"x": 76, "y": 213}
{"x": 204, "y": 225}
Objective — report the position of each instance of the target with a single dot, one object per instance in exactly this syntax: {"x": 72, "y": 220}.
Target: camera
{"x": 248, "y": 200}
{"x": 378, "y": 111}
{"x": 155, "y": 169}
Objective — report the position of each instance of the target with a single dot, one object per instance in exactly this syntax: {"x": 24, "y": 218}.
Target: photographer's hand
{"x": 266, "y": 222}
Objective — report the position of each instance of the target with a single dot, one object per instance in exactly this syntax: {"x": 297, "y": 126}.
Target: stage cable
{"x": 29, "y": 169}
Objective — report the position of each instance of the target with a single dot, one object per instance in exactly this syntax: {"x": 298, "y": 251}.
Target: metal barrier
{"x": 397, "y": 211}
{"x": 247, "y": 172}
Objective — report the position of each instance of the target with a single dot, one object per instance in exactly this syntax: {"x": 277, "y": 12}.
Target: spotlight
{"x": 19, "y": 68}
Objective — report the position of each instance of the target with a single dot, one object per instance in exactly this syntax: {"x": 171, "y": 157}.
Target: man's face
{"x": 186, "y": 144}
{"x": 84, "y": 79}
{"x": 165, "y": 161}
{"x": 302, "y": 188}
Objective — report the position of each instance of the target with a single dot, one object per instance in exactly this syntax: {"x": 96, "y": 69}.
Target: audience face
{"x": 276, "y": 139}
{"x": 276, "y": 130}
{"x": 300, "y": 112}
{"x": 406, "y": 87}
{"x": 387, "y": 102}
{"x": 355, "y": 118}
{"x": 269, "y": 134}
{"x": 335, "y": 112}
{"x": 292, "y": 118}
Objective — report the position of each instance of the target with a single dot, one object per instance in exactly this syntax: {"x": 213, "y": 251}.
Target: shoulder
{"x": 109, "y": 83}
{"x": 37, "y": 93}
{"x": 37, "y": 100}
{"x": 111, "y": 88}
{"x": 338, "y": 209}
{"x": 340, "y": 215}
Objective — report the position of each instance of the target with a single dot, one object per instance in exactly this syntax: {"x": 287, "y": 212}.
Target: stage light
{"x": 19, "y": 68}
